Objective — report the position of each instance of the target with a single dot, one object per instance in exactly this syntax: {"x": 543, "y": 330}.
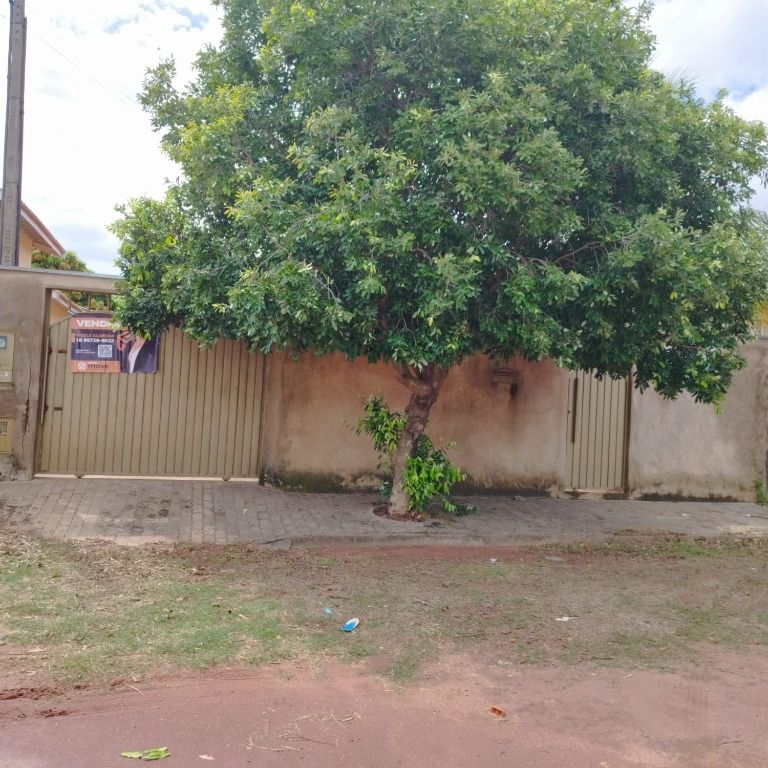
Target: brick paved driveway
{"x": 137, "y": 511}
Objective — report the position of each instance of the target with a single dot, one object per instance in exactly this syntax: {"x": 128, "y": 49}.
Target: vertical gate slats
{"x": 81, "y": 392}
{"x": 165, "y": 402}
{"x": 153, "y": 449}
{"x": 259, "y": 363}
{"x": 241, "y": 426}
{"x": 137, "y": 439}
{"x": 603, "y": 429}
{"x": 63, "y": 438}
{"x": 226, "y": 388}
{"x": 198, "y": 416}
{"x": 244, "y": 435}
{"x": 214, "y": 436}
{"x": 610, "y": 464}
{"x": 596, "y": 430}
{"x": 190, "y": 429}
{"x": 120, "y": 420}
{"x": 147, "y": 431}
{"x": 205, "y": 429}
{"x": 97, "y": 438}
{"x": 53, "y": 396}
{"x": 592, "y": 432}
{"x": 620, "y": 430}
{"x": 181, "y": 387}
{"x": 233, "y": 395}
{"x": 202, "y": 382}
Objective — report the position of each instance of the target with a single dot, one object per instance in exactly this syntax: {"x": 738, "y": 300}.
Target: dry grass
{"x": 95, "y": 611}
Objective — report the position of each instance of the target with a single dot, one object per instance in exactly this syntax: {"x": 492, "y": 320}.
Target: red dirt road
{"x": 292, "y": 715}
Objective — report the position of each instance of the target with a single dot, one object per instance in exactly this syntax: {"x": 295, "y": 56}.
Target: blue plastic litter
{"x": 350, "y": 626}
{"x": 327, "y": 611}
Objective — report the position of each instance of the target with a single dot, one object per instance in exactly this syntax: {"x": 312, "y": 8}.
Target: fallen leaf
{"x": 158, "y": 753}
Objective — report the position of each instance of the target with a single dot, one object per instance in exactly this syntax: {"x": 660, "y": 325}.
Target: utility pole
{"x": 14, "y": 138}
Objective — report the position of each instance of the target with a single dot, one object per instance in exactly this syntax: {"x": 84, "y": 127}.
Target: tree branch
{"x": 571, "y": 254}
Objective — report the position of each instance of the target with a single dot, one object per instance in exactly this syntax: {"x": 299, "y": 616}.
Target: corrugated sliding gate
{"x": 198, "y": 416}
{"x": 598, "y": 428}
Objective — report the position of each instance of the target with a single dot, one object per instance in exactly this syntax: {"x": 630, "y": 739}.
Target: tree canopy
{"x": 69, "y": 262}
{"x": 417, "y": 181}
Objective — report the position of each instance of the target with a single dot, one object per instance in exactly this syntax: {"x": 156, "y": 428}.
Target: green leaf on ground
{"x": 156, "y": 753}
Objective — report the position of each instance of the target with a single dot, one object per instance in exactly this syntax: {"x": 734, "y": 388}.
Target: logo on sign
{"x": 93, "y": 322}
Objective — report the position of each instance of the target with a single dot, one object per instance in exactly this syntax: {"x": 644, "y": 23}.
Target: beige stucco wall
{"x": 502, "y": 441}
{"x": 25, "y": 249}
{"x": 23, "y": 312}
{"x": 683, "y": 448}
{"x": 58, "y": 312}
{"x": 677, "y": 448}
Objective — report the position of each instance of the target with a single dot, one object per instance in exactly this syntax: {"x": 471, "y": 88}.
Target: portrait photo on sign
{"x": 137, "y": 355}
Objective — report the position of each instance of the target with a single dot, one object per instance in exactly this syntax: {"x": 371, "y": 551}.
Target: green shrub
{"x": 428, "y": 472}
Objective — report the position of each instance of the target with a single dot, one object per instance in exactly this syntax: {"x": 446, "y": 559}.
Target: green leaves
{"x": 428, "y": 472}
{"x": 428, "y": 475}
{"x": 383, "y": 425}
{"x": 420, "y": 181}
{"x": 157, "y": 753}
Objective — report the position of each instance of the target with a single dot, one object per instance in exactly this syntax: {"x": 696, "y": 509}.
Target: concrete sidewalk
{"x": 138, "y": 511}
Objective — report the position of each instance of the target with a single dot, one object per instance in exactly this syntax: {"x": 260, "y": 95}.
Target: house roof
{"x": 42, "y": 237}
{"x": 66, "y": 301}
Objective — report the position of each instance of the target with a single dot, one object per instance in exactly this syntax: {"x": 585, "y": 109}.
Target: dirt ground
{"x": 662, "y": 663}
{"x": 293, "y": 714}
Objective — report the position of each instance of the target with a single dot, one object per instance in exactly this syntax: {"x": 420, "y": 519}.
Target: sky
{"x": 88, "y": 146}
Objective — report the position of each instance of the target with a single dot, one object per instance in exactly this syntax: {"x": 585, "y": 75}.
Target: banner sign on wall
{"x": 98, "y": 346}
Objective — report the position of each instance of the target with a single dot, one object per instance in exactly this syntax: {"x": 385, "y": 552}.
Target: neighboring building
{"x": 62, "y": 306}
{"x": 35, "y": 236}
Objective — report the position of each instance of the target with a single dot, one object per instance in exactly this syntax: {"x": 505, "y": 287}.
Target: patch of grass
{"x": 101, "y": 611}
{"x": 20, "y": 573}
{"x": 638, "y": 648}
{"x": 359, "y": 649}
{"x": 409, "y": 659}
{"x": 761, "y": 493}
{"x": 641, "y": 544}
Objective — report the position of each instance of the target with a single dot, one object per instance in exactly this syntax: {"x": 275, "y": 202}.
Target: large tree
{"x": 417, "y": 181}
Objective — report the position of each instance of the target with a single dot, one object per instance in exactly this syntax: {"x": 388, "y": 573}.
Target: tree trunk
{"x": 425, "y": 387}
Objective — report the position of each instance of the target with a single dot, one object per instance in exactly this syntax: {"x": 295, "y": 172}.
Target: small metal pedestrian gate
{"x": 198, "y": 416}
{"x": 598, "y": 429}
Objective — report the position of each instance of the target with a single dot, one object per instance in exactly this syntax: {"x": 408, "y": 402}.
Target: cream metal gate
{"x": 598, "y": 431}
{"x": 198, "y": 416}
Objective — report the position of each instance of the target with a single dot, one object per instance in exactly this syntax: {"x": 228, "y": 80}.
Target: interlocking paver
{"x": 137, "y": 511}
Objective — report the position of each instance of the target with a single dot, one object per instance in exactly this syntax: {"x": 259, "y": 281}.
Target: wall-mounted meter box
{"x": 6, "y": 434}
{"x": 6, "y": 357}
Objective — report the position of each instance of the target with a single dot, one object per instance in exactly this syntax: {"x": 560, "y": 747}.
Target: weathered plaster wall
{"x": 502, "y": 441}
{"x": 684, "y": 448}
{"x": 23, "y": 312}
{"x": 26, "y": 247}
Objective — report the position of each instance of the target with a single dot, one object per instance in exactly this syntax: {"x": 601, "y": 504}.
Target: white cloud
{"x": 716, "y": 43}
{"x": 87, "y": 143}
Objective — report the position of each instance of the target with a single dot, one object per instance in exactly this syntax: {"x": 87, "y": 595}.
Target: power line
{"x": 114, "y": 91}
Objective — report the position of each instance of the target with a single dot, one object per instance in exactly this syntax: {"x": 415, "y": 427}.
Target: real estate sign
{"x": 99, "y": 346}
